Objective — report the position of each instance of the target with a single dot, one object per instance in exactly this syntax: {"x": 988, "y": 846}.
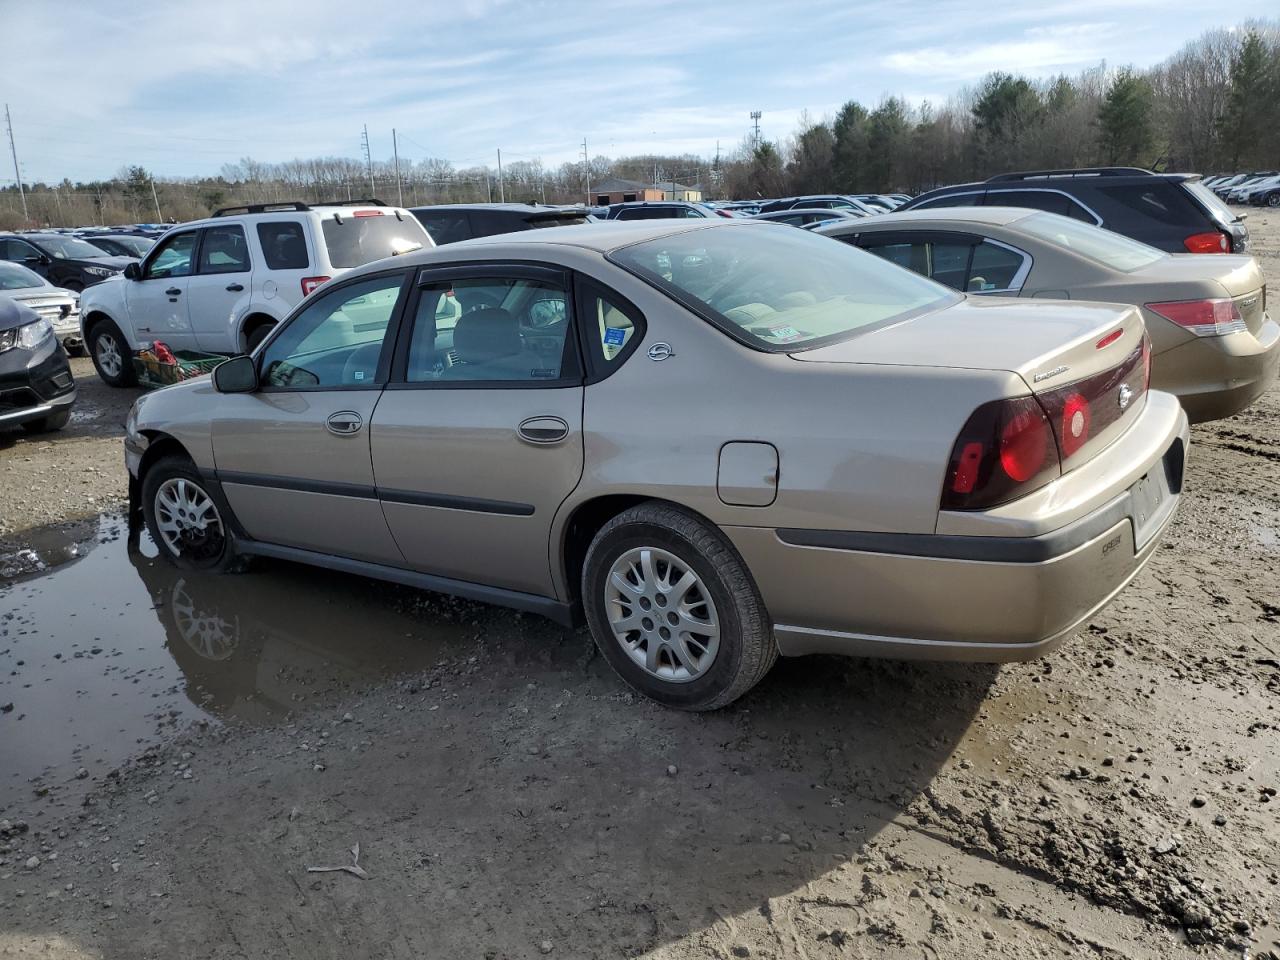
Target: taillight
{"x": 1204, "y": 318}
{"x": 1005, "y": 450}
{"x": 367, "y": 213}
{"x": 1213, "y": 242}
{"x": 310, "y": 283}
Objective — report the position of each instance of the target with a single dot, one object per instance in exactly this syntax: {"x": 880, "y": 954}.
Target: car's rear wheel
{"x": 1274, "y": 200}
{"x": 674, "y": 610}
{"x": 51, "y": 423}
{"x": 184, "y": 519}
{"x": 111, "y": 355}
{"x": 257, "y": 335}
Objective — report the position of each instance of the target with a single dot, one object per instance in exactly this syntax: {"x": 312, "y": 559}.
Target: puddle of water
{"x": 114, "y": 648}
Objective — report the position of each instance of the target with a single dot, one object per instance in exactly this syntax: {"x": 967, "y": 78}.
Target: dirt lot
{"x": 180, "y": 750}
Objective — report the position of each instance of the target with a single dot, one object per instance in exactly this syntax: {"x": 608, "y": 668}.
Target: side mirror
{"x": 132, "y": 271}
{"x": 237, "y": 375}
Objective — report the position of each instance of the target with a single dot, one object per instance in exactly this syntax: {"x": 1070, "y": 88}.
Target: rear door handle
{"x": 235, "y": 287}
{"x": 344, "y": 423}
{"x": 173, "y": 291}
{"x": 543, "y": 429}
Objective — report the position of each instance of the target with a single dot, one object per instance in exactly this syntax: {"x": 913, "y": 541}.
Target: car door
{"x": 222, "y": 281}
{"x": 478, "y": 437}
{"x": 293, "y": 456}
{"x": 157, "y": 301}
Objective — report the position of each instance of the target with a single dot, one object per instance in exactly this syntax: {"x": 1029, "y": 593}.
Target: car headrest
{"x": 486, "y": 334}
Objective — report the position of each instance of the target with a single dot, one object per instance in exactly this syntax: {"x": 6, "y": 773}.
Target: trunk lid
{"x": 1084, "y": 362}
{"x": 1239, "y": 276}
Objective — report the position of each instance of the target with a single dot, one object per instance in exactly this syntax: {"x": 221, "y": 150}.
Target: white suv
{"x": 219, "y": 285}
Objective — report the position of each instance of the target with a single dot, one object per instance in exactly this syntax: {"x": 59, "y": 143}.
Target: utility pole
{"x": 156, "y": 200}
{"x": 502, "y": 189}
{"x": 368, "y": 158}
{"x": 586, "y": 169}
{"x": 17, "y": 174}
{"x": 755, "y": 119}
{"x": 395, "y": 152}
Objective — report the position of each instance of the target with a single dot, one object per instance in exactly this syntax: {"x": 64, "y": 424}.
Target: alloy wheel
{"x": 108, "y": 353}
{"x": 209, "y": 634}
{"x": 662, "y": 614}
{"x": 188, "y": 520}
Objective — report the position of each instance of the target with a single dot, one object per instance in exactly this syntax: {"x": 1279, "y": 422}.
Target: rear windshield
{"x": 1102, "y": 246}
{"x": 781, "y": 290}
{"x": 555, "y": 220}
{"x": 359, "y": 240}
{"x": 1209, "y": 200}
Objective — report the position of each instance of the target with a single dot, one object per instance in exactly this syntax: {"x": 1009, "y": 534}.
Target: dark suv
{"x": 451, "y": 222}
{"x": 64, "y": 261}
{"x": 1170, "y": 211}
{"x": 36, "y": 387}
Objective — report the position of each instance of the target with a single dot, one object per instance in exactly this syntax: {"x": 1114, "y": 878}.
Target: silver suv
{"x": 221, "y": 284}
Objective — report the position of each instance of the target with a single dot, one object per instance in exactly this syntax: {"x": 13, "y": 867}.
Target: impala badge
{"x": 660, "y": 351}
{"x": 1126, "y": 394}
{"x": 1051, "y": 373}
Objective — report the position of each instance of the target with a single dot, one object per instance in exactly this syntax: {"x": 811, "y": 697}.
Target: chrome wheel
{"x": 188, "y": 521}
{"x": 107, "y": 350}
{"x": 662, "y": 614}
{"x": 208, "y": 634}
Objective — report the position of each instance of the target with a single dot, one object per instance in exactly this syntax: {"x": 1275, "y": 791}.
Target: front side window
{"x": 1111, "y": 249}
{"x": 780, "y": 290}
{"x": 951, "y": 200}
{"x": 18, "y": 250}
{"x": 490, "y": 329}
{"x": 337, "y": 340}
{"x": 284, "y": 247}
{"x": 224, "y": 250}
{"x": 173, "y": 257}
{"x": 446, "y": 227}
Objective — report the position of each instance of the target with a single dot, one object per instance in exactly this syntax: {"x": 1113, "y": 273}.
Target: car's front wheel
{"x": 1274, "y": 199}
{"x": 49, "y": 424}
{"x": 183, "y": 518}
{"x": 674, "y": 609}
{"x": 111, "y": 355}
{"x": 75, "y": 286}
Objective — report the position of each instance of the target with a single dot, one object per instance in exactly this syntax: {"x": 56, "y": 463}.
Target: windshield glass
{"x": 358, "y": 240}
{"x": 138, "y": 245}
{"x": 1103, "y": 246}
{"x": 778, "y": 289}
{"x": 70, "y": 248}
{"x": 14, "y": 276}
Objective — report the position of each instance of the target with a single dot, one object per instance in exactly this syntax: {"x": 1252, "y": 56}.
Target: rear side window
{"x": 448, "y": 226}
{"x": 993, "y": 268}
{"x": 1049, "y": 201}
{"x": 356, "y": 240}
{"x": 951, "y": 200}
{"x": 283, "y": 245}
{"x": 611, "y": 325}
{"x": 224, "y": 250}
{"x": 1160, "y": 201}
{"x": 648, "y": 213}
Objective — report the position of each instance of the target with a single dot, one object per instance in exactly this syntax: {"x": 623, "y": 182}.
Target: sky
{"x": 182, "y": 88}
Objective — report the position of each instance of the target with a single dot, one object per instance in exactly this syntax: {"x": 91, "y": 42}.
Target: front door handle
{"x": 344, "y": 423}
{"x": 235, "y": 287}
{"x": 173, "y": 291}
{"x": 543, "y": 429}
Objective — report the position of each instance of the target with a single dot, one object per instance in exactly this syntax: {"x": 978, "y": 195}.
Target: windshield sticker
{"x": 615, "y": 336}
{"x": 785, "y": 334}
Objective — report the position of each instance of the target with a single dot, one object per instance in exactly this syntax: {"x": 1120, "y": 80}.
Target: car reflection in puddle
{"x": 105, "y": 648}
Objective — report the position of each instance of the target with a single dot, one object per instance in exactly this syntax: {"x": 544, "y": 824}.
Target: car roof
{"x": 995, "y": 216}
{"x": 515, "y": 207}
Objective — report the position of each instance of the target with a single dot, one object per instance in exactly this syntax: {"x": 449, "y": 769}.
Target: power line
{"x": 13, "y": 148}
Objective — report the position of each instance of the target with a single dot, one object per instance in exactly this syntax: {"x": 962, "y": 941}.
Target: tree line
{"x": 1214, "y": 106}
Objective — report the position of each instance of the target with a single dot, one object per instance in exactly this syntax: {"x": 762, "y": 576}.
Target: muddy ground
{"x": 180, "y": 750}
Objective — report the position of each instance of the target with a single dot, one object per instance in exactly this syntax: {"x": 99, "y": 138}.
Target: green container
{"x": 191, "y": 363}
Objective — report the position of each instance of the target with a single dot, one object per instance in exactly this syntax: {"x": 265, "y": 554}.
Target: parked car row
{"x": 1259, "y": 188}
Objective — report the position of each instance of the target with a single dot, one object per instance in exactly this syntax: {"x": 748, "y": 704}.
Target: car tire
{"x": 649, "y": 546}
{"x": 257, "y": 335}
{"x": 111, "y": 355}
{"x": 49, "y": 424}
{"x": 184, "y": 519}
{"x": 1273, "y": 200}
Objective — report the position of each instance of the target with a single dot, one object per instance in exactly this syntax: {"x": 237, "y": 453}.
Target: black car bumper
{"x": 34, "y": 383}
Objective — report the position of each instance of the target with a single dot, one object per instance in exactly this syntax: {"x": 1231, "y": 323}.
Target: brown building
{"x": 616, "y": 190}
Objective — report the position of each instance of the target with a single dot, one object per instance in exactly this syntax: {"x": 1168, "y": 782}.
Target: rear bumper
{"x": 1216, "y": 377}
{"x": 941, "y": 597}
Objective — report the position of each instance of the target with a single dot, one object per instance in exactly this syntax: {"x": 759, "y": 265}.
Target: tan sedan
{"x": 1213, "y": 344}
{"x": 716, "y": 441}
